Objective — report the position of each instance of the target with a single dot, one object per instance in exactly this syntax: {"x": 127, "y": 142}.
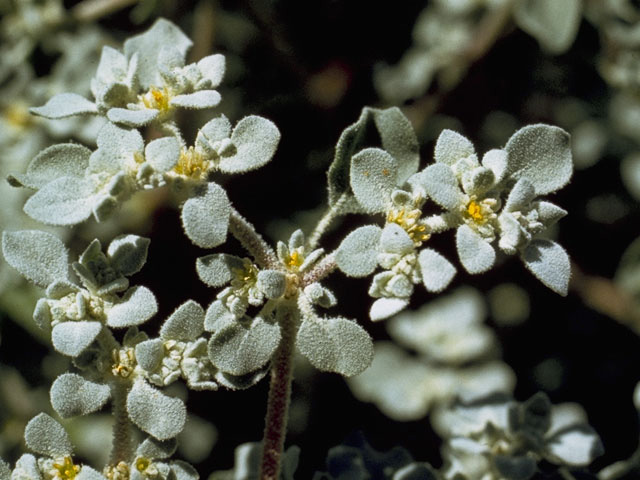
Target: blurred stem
{"x": 122, "y": 442}
{"x": 325, "y": 222}
{"x": 623, "y": 469}
{"x": 204, "y": 29}
{"x": 275, "y": 428}
{"x": 252, "y": 241}
{"x": 91, "y": 10}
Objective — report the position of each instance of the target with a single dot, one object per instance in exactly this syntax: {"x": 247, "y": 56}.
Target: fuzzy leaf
{"x": 217, "y": 314}
{"x": 373, "y": 178}
{"x": 128, "y": 253}
{"x": 88, "y": 473}
{"x": 576, "y": 446}
{"x": 542, "y": 154}
{"x": 197, "y": 100}
{"x": 64, "y": 201}
{"x": 71, "y": 395}
{"x": 441, "y": 184}
{"x": 212, "y": 68}
{"x": 27, "y": 467}
{"x": 136, "y": 307}
{"x": 521, "y": 195}
{"x": 451, "y": 147}
{"x": 65, "y": 105}
{"x": 476, "y": 254}
{"x": 162, "y": 153}
{"x": 399, "y": 140}
{"x": 132, "y": 118}
{"x": 216, "y": 129}
{"x": 319, "y": 295}
{"x": 40, "y": 257}
{"x": 183, "y": 471}
{"x": 45, "y": 436}
{"x": 515, "y": 467}
{"x": 152, "y": 448}
{"x": 149, "y": 354}
{"x": 217, "y": 269}
{"x": 335, "y": 345}
{"x": 357, "y": 255}
{"x": 549, "y": 262}
{"x": 205, "y": 218}
{"x": 71, "y": 338}
{"x": 554, "y": 24}
{"x": 5, "y": 470}
{"x": 185, "y": 324}
{"x": 42, "y": 313}
{"x": 154, "y": 412}
{"x": 387, "y": 307}
{"x": 272, "y": 283}
{"x": 437, "y": 271}
{"x": 62, "y": 160}
{"x": 240, "y": 348}
{"x": 394, "y": 239}
{"x": 256, "y": 140}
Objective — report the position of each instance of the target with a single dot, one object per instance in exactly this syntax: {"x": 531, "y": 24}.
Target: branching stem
{"x": 325, "y": 222}
{"x": 252, "y": 241}
{"x": 122, "y": 441}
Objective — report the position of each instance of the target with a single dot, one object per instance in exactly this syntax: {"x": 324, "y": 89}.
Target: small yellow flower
{"x": 64, "y": 468}
{"x": 192, "y": 164}
{"x": 156, "y": 98}
{"x": 124, "y": 361}
{"x": 408, "y": 220}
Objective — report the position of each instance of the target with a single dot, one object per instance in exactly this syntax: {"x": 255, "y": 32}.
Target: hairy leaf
{"x": 373, "y": 177}
{"x": 256, "y": 140}
{"x": 154, "y": 412}
{"x": 71, "y": 395}
{"x": 45, "y": 436}
{"x": 476, "y": 254}
{"x": 357, "y": 254}
{"x": 62, "y": 160}
{"x": 549, "y": 262}
{"x": 205, "y": 218}
{"x": 185, "y": 324}
{"x": 437, "y": 272}
{"x": 136, "y": 307}
{"x": 65, "y": 105}
{"x": 128, "y": 253}
{"x": 64, "y": 201}
{"x": 71, "y": 338}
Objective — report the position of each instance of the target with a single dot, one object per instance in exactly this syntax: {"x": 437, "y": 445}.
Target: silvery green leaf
{"x": 132, "y": 118}
{"x": 217, "y": 314}
{"x": 549, "y": 262}
{"x": 240, "y": 348}
{"x": 154, "y": 412}
{"x": 394, "y": 239}
{"x": 451, "y": 147}
{"x": 542, "y": 154}
{"x": 476, "y": 254}
{"x": 357, "y": 254}
{"x": 71, "y": 338}
{"x": 319, "y": 295}
{"x": 496, "y": 160}
{"x": 548, "y": 213}
{"x": 400, "y": 286}
{"x": 40, "y": 257}
{"x": 296, "y": 240}
{"x": 42, "y": 313}
{"x": 88, "y": 473}
{"x": 416, "y": 471}
{"x": 216, "y": 129}
{"x": 515, "y": 467}
{"x": 65, "y": 105}
{"x": 576, "y": 446}
{"x": 26, "y": 467}
{"x": 64, "y": 201}
{"x": 217, "y": 269}
{"x": 201, "y": 99}
{"x": 241, "y": 382}
{"x": 128, "y": 253}
{"x": 156, "y": 449}
{"x": 399, "y": 140}
{"x": 45, "y": 436}
{"x": 162, "y": 153}
{"x": 212, "y": 68}
{"x": 311, "y": 259}
{"x": 136, "y": 307}
{"x": 256, "y": 140}
{"x": 554, "y": 25}
{"x": 387, "y": 307}
{"x": 71, "y": 395}
{"x": 441, "y": 184}
{"x": 205, "y": 218}
{"x": 437, "y": 272}
{"x": 149, "y": 354}
{"x": 335, "y": 345}
{"x": 183, "y": 471}
{"x": 373, "y": 177}
{"x": 5, "y": 470}
{"x": 148, "y": 45}
{"x": 520, "y": 196}
{"x": 62, "y": 160}
{"x": 112, "y": 66}
{"x": 185, "y": 324}
{"x": 272, "y": 283}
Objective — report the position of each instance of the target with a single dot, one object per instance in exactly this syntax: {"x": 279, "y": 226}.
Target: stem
{"x": 321, "y": 270}
{"x": 122, "y": 442}
{"x": 252, "y": 241}
{"x": 90, "y": 10}
{"x": 275, "y": 428}
{"x": 325, "y": 222}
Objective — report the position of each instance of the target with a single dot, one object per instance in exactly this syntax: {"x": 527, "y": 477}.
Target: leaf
{"x": 65, "y": 105}
{"x": 217, "y": 269}
{"x": 64, "y": 201}
{"x": 196, "y": 100}
{"x": 335, "y": 345}
{"x": 71, "y": 395}
{"x": 256, "y": 140}
{"x": 437, "y": 272}
{"x": 27, "y": 467}
{"x": 152, "y": 448}
{"x": 553, "y": 24}
{"x": 5, "y": 470}
{"x": 162, "y": 153}
{"x": 476, "y": 254}
{"x": 549, "y": 262}
{"x": 149, "y": 354}
{"x": 373, "y": 177}
{"x": 542, "y": 154}
{"x": 217, "y": 314}
{"x": 128, "y": 253}
{"x": 132, "y": 118}
{"x": 387, "y": 307}
{"x": 240, "y": 348}
{"x": 272, "y": 283}
{"x": 399, "y": 140}
{"x": 515, "y": 467}
{"x": 441, "y": 184}
{"x": 520, "y": 196}
{"x": 394, "y": 239}
{"x": 88, "y": 473}
{"x": 136, "y": 307}
{"x": 183, "y": 471}
{"x": 154, "y": 412}
{"x": 62, "y": 160}
{"x": 212, "y": 68}
{"x": 205, "y": 218}
{"x": 357, "y": 255}
{"x": 576, "y": 446}
{"x": 71, "y": 338}
{"x": 40, "y": 257}
{"x": 452, "y": 147}
{"x": 45, "y": 436}
{"x": 185, "y": 324}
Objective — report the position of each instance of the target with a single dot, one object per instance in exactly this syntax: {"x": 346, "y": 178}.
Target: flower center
{"x": 64, "y": 468}
{"x": 156, "y": 98}
{"x": 124, "y": 361}
{"x": 475, "y": 211}
{"x": 117, "y": 472}
{"x": 17, "y": 115}
{"x": 245, "y": 277}
{"x": 408, "y": 220}
{"x": 191, "y": 163}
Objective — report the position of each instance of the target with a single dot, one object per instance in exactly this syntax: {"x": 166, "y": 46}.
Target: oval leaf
{"x": 476, "y": 254}
{"x": 154, "y": 412}
{"x": 71, "y": 395}
{"x": 256, "y": 140}
{"x": 437, "y": 272}
{"x": 65, "y": 105}
{"x": 357, "y": 255}
{"x": 205, "y": 218}
{"x": 136, "y": 307}
{"x": 185, "y": 324}
{"x": 373, "y": 177}
{"x": 71, "y": 338}
{"x": 64, "y": 201}
{"x": 549, "y": 262}
{"x": 45, "y": 436}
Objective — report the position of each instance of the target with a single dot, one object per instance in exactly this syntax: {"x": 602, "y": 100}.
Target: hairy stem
{"x": 122, "y": 441}
{"x": 275, "y": 428}
{"x": 251, "y": 240}
{"x": 325, "y": 222}
{"x": 322, "y": 269}
{"x": 91, "y": 10}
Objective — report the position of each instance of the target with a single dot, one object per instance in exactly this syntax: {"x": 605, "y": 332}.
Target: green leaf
{"x": 132, "y": 118}
{"x": 387, "y": 307}
{"x": 128, "y": 253}
{"x": 65, "y": 105}
{"x": 64, "y": 201}
{"x": 162, "y": 153}
{"x": 217, "y": 314}
{"x": 45, "y": 436}
{"x": 441, "y": 184}
{"x": 149, "y": 354}
{"x": 71, "y": 395}
{"x": 72, "y": 338}
{"x": 549, "y": 262}
{"x": 256, "y": 140}
{"x": 136, "y": 307}
{"x": 154, "y": 412}
{"x": 205, "y": 218}
{"x": 196, "y": 100}
{"x": 373, "y": 177}
{"x": 335, "y": 345}
{"x": 452, "y": 147}
{"x": 357, "y": 255}
{"x": 554, "y": 24}
{"x": 62, "y": 160}
{"x": 185, "y": 324}
{"x": 217, "y": 269}
{"x": 476, "y": 254}
{"x": 437, "y": 272}
{"x": 39, "y": 256}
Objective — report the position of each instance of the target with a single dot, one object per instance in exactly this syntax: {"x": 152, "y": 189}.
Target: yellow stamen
{"x": 409, "y": 222}
{"x": 65, "y": 469}
{"x": 17, "y": 115}
{"x": 142, "y": 464}
{"x": 295, "y": 259}
{"x": 475, "y": 211}
{"x": 156, "y": 98}
{"x": 191, "y": 163}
